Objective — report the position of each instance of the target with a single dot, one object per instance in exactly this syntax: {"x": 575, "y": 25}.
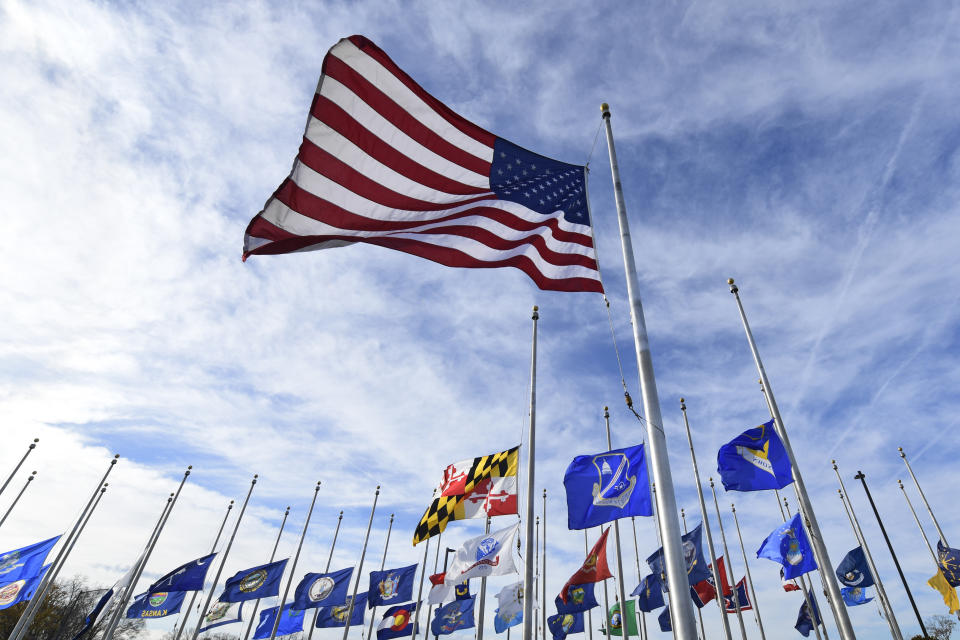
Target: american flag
{"x": 385, "y": 163}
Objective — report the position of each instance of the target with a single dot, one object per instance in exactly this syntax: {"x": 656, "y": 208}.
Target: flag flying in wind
{"x": 397, "y": 622}
{"x": 102, "y": 607}
{"x": 156, "y": 605}
{"x": 615, "y": 619}
{"x": 254, "y": 583}
{"x": 697, "y": 568}
{"x": 222, "y": 613}
{"x": 806, "y": 622}
{"x": 664, "y": 620}
{"x": 788, "y": 545}
{"x": 788, "y": 585}
{"x": 703, "y": 592}
{"x": 503, "y": 621}
{"x": 594, "y": 567}
{"x": 186, "y": 577}
{"x": 336, "y": 616}
{"x": 489, "y": 554}
{"x": 731, "y": 604}
{"x": 853, "y": 570}
{"x": 580, "y": 597}
{"x": 391, "y": 586}
{"x": 441, "y": 592}
{"x": 563, "y": 624}
{"x": 949, "y": 560}
{"x": 25, "y": 562}
{"x": 291, "y": 621}
{"x": 453, "y": 617}
{"x": 385, "y": 163}
{"x": 649, "y": 593}
{"x": 755, "y": 460}
{"x": 21, "y": 590}
{"x": 322, "y": 589}
{"x": 725, "y": 588}
{"x": 607, "y": 486}
{"x": 852, "y": 596}
{"x": 510, "y": 601}
{"x": 940, "y": 583}
{"x": 473, "y": 489}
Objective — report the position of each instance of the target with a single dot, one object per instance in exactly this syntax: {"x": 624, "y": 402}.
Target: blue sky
{"x": 810, "y": 152}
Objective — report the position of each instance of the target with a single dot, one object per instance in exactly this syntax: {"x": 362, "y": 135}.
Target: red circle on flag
{"x": 400, "y": 620}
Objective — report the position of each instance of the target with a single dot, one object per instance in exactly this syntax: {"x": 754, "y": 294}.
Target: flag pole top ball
{"x": 36, "y": 439}
{"x": 733, "y": 287}
{"x": 902, "y": 454}
{"x": 604, "y": 108}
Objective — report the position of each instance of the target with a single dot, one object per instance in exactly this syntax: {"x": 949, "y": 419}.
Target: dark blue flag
{"x": 391, "y": 586}
{"x": 563, "y": 624}
{"x": 461, "y": 590}
{"x": 580, "y": 597}
{"x": 788, "y": 545}
{"x": 607, "y": 486}
{"x": 291, "y": 621}
{"x": 323, "y": 589}
{"x": 21, "y": 590}
{"x": 397, "y": 622}
{"x": 336, "y": 616}
{"x": 156, "y": 605}
{"x": 697, "y": 567}
{"x": 664, "y": 620}
{"x": 949, "y": 560}
{"x": 186, "y": 577}
{"x": 805, "y": 622}
{"x": 253, "y": 583}
{"x": 94, "y": 616}
{"x": 25, "y": 563}
{"x": 649, "y": 594}
{"x": 852, "y": 596}
{"x": 853, "y": 570}
{"x": 453, "y": 617}
{"x": 755, "y": 460}
{"x": 221, "y": 613}
{"x": 742, "y": 598}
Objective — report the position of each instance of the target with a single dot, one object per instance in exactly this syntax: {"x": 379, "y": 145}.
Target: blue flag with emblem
{"x": 580, "y": 597}
{"x": 788, "y": 545}
{"x": 697, "y": 567}
{"x": 948, "y": 559}
{"x": 852, "y": 596}
{"x": 397, "y": 622}
{"x": 21, "y": 590}
{"x": 503, "y": 622}
{"x": 755, "y": 460}
{"x": 156, "y": 605}
{"x": 649, "y": 594}
{"x": 664, "y": 620}
{"x": 607, "y": 486}
{"x": 323, "y": 589}
{"x": 221, "y": 613}
{"x": 453, "y": 617}
{"x": 563, "y": 624}
{"x": 25, "y": 563}
{"x": 291, "y": 621}
{"x": 253, "y": 583}
{"x": 336, "y": 616}
{"x": 391, "y": 586}
{"x": 186, "y": 577}
{"x": 806, "y": 622}
{"x": 853, "y": 570}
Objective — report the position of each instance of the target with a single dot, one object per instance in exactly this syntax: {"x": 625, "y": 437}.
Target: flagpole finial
{"x": 733, "y": 287}
{"x": 683, "y": 404}
{"x": 733, "y": 507}
{"x": 902, "y": 454}
{"x": 605, "y": 110}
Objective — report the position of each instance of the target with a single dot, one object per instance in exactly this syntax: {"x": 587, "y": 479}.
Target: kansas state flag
{"x": 607, "y": 486}
{"x": 258, "y": 582}
{"x": 337, "y": 616}
{"x": 323, "y": 589}
{"x": 580, "y": 597}
{"x": 453, "y": 617}
{"x": 156, "y": 605}
{"x": 391, "y": 586}
{"x": 649, "y": 594}
{"x": 853, "y": 570}
{"x": 755, "y": 460}
{"x": 788, "y": 545}
{"x": 697, "y": 567}
{"x": 186, "y": 577}
{"x": 563, "y": 624}
{"x": 25, "y": 562}
{"x": 291, "y": 621}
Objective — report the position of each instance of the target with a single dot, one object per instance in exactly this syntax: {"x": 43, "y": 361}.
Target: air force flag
{"x": 755, "y": 460}
{"x": 607, "y": 486}
{"x": 788, "y": 545}
{"x": 853, "y": 570}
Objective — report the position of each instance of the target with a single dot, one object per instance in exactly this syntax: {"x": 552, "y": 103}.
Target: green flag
{"x": 615, "y": 620}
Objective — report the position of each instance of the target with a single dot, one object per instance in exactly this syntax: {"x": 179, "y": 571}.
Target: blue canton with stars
{"x": 538, "y": 183}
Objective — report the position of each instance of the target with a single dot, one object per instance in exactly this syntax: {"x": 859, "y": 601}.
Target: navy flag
{"x": 336, "y": 616}
{"x": 323, "y": 589}
{"x": 391, "y": 586}
{"x": 453, "y": 617}
{"x": 257, "y": 582}
{"x": 664, "y": 620}
{"x": 186, "y": 577}
{"x": 697, "y": 567}
{"x": 755, "y": 460}
{"x": 948, "y": 559}
{"x": 650, "y": 593}
{"x": 805, "y": 622}
{"x": 397, "y": 622}
{"x": 222, "y": 613}
{"x": 853, "y": 570}
{"x": 607, "y": 486}
{"x": 788, "y": 545}
{"x": 744, "y": 601}
{"x": 580, "y": 597}
{"x": 156, "y": 605}
{"x": 25, "y": 563}
{"x": 563, "y": 624}
{"x": 291, "y": 621}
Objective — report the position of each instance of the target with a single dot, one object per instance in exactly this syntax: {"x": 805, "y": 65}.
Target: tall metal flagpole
{"x": 223, "y": 560}
{"x": 543, "y": 572}
{"x": 273, "y": 554}
{"x": 805, "y": 506}
{"x": 805, "y": 585}
{"x": 32, "y": 446}
{"x": 296, "y": 558}
{"x": 943, "y": 538}
{"x": 703, "y": 633}
{"x": 863, "y": 479}
{"x": 363, "y": 553}
{"x": 681, "y": 605}
{"x": 482, "y": 600}
{"x": 586, "y": 550}
{"x": 706, "y": 524}
{"x": 423, "y": 572}
{"x": 621, "y": 587}
{"x": 862, "y": 541}
{"x": 383, "y": 563}
{"x": 193, "y": 594}
{"x": 636, "y": 555}
{"x": 436, "y": 563}
{"x": 20, "y": 629}
{"x": 316, "y": 610}
{"x": 528, "y": 595}
{"x": 536, "y": 562}
{"x": 728, "y": 565}
{"x": 923, "y": 533}
{"x": 753, "y": 593}
{"x": 17, "y": 499}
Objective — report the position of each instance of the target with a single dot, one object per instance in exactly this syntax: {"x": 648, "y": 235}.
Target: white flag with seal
{"x": 489, "y": 554}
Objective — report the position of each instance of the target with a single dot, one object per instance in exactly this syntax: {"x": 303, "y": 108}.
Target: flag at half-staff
{"x": 755, "y": 460}
{"x": 477, "y": 488}
{"x": 788, "y": 545}
{"x": 383, "y": 162}
{"x": 489, "y": 554}
{"x": 593, "y": 569}
{"x": 607, "y": 486}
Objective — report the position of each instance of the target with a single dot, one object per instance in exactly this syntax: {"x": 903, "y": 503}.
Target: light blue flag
{"x": 25, "y": 563}
{"x": 291, "y": 621}
{"x": 853, "y": 596}
{"x": 755, "y": 460}
{"x": 607, "y": 486}
{"x": 501, "y": 624}
{"x": 21, "y": 590}
{"x": 788, "y": 545}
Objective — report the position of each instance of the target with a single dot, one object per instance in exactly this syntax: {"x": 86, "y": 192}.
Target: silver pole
{"x": 943, "y": 538}
{"x": 656, "y": 439}
{"x": 636, "y": 555}
{"x": 656, "y": 517}
{"x": 273, "y": 554}
{"x": 316, "y": 610}
{"x": 806, "y": 507}
{"x": 706, "y": 525}
{"x": 363, "y": 553}
{"x": 223, "y": 561}
{"x": 482, "y": 602}
{"x": 423, "y": 571}
{"x": 703, "y": 633}
{"x": 805, "y": 585}
{"x": 728, "y": 565}
{"x": 621, "y": 587}
{"x": 26, "y": 618}
{"x": 528, "y": 584}
{"x": 543, "y": 572}
{"x": 32, "y": 446}
{"x": 193, "y": 594}
{"x": 436, "y": 563}
{"x": 17, "y": 499}
{"x": 383, "y": 563}
{"x": 586, "y": 550}
{"x": 536, "y": 562}
{"x": 919, "y": 526}
{"x": 296, "y": 558}
{"x": 606, "y": 608}
{"x": 862, "y": 541}
{"x": 753, "y": 593}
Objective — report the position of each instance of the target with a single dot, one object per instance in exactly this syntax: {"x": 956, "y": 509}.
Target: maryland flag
{"x": 484, "y": 486}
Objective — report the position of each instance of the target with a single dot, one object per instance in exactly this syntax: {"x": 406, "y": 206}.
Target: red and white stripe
{"x": 385, "y": 163}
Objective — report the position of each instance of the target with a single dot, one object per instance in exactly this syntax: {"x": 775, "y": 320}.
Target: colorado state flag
{"x": 755, "y": 460}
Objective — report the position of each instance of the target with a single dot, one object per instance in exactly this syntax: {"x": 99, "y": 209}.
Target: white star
{"x": 542, "y": 202}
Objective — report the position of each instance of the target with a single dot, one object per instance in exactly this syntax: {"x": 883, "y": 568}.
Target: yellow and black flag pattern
{"x": 484, "y": 486}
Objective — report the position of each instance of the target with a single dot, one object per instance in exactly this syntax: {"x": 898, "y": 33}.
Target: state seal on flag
{"x": 253, "y": 581}
{"x": 614, "y": 484}
{"x": 388, "y": 587}
{"x": 321, "y": 588}
{"x": 217, "y": 612}
{"x": 9, "y": 593}
{"x": 487, "y": 547}
{"x": 157, "y": 599}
